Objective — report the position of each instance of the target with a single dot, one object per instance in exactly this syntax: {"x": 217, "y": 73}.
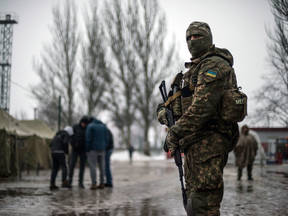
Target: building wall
{"x": 266, "y": 138}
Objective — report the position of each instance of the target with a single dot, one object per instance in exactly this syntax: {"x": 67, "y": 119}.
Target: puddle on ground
{"x": 23, "y": 192}
{"x": 240, "y": 188}
{"x": 146, "y": 207}
{"x": 285, "y": 175}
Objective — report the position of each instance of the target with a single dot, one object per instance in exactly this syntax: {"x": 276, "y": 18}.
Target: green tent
{"x": 23, "y": 143}
{"x": 35, "y": 149}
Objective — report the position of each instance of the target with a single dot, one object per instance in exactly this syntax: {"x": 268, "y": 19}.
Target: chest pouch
{"x": 234, "y": 106}
{"x": 187, "y": 93}
{"x": 178, "y": 104}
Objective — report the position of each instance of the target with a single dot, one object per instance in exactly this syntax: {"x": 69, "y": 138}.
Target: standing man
{"x": 78, "y": 150}
{"x": 245, "y": 152}
{"x": 97, "y": 139}
{"x": 59, "y": 150}
{"x": 204, "y": 137}
{"x": 131, "y": 150}
{"x": 109, "y": 151}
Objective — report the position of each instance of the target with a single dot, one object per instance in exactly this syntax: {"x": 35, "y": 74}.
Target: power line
{"x": 20, "y": 86}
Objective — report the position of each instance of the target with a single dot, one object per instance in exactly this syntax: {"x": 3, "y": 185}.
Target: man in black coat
{"x": 78, "y": 149}
{"x": 59, "y": 151}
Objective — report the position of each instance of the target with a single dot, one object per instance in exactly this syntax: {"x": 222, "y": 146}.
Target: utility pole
{"x": 6, "y": 33}
{"x": 59, "y": 114}
{"x": 35, "y": 113}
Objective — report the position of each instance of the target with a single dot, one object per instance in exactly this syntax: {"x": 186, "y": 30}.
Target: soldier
{"x": 245, "y": 152}
{"x": 202, "y": 135}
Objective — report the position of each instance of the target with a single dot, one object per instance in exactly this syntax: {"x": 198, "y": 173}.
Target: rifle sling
{"x": 176, "y": 95}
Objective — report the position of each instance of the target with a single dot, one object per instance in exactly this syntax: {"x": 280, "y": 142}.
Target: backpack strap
{"x": 176, "y": 95}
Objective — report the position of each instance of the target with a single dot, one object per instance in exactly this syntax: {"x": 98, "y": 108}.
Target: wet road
{"x": 143, "y": 189}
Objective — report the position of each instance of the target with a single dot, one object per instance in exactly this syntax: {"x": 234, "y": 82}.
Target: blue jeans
{"x": 108, "y": 170}
{"x": 95, "y": 157}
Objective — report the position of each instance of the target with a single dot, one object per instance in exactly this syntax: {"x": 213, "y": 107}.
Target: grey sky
{"x": 236, "y": 25}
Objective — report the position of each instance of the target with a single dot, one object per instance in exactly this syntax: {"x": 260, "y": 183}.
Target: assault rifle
{"x": 171, "y": 122}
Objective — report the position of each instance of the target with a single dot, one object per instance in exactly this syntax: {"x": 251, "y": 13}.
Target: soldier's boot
{"x": 189, "y": 208}
{"x": 196, "y": 204}
{"x": 204, "y": 203}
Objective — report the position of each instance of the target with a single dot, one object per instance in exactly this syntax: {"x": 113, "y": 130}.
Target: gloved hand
{"x": 161, "y": 114}
{"x": 172, "y": 141}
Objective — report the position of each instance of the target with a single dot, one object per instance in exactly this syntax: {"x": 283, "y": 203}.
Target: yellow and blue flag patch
{"x": 211, "y": 73}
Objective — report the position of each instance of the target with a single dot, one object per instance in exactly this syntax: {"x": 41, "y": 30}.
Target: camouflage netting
{"x": 23, "y": 143}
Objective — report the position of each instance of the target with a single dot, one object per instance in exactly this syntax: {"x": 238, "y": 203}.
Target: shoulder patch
{"x": 211, "y": 73}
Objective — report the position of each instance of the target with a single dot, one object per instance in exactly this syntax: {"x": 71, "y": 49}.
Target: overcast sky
{"x": 236, "y": 25}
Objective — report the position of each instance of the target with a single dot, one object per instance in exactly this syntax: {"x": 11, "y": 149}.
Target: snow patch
{"x": 137, "y": 156}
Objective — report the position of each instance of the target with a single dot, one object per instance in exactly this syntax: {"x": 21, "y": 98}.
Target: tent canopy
{"x": 25, "y": 127}
{"x": 23, "y": 142}
{"x": 39, "y": 128}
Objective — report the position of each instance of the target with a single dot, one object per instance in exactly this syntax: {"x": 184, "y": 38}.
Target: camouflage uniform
{"x": 202, "y": 135}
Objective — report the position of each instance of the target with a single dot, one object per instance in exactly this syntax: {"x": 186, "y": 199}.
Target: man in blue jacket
{"x": 97, "y": 139}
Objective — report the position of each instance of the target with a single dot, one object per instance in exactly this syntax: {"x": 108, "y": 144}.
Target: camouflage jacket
{"x": 210, "y": 75}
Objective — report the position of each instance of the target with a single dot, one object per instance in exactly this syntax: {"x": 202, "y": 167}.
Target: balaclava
{"x": 200, "y": 46}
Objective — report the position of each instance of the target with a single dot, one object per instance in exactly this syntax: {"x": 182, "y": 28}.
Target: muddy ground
{"x": 142, "y": 189}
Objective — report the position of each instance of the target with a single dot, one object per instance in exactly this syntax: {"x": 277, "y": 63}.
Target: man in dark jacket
{"x": 59, "y": 147}
{"x": 78, "y": 149}
{"x": 97, "y": 139}
{"x": 109, "y": 151}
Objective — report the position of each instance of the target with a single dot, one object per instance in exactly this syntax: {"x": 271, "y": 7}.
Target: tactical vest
{"x": 232, "y": 108}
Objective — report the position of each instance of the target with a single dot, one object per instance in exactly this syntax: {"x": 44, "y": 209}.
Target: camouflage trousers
{"x": 204, "y": 164}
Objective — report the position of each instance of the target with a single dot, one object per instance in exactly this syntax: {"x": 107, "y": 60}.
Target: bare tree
{"x": 95, "y": 74}
{"x": 148, "y": 29}
{"x": 136, "y": 34}
{"x": 273, "y": 96}
{"x": 58, "y": 67}
{"x": 122, "y": 61}
{"x": 46, "y": 93}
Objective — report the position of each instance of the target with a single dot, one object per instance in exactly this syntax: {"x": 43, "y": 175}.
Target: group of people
{"x": 90, "y": 140}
